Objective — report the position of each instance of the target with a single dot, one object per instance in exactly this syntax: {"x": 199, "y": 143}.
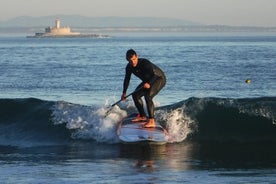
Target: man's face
{"x": 133, "y": 60}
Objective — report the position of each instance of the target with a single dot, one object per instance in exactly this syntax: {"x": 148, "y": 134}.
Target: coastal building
{"x": 58, "y": 31}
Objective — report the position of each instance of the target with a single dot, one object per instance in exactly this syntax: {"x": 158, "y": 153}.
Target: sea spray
{"x": 177, "y": 123}
{"x": 88, "y": 122}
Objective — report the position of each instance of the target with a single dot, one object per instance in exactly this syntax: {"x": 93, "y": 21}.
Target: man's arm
{"x": 126, "y": 82}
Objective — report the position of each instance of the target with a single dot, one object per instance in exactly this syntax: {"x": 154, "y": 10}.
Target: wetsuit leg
{"x": 138, "y": 100}
{"x": 155, "y": 88}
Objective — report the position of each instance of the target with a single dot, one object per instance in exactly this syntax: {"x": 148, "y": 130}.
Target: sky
{"x": 210, "y": 12}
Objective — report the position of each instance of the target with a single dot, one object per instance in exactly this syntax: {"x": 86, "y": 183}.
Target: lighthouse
{"x": 57, "y": 23}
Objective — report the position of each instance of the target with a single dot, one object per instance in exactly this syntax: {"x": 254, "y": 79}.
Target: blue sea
{"x": 55, "y": 93}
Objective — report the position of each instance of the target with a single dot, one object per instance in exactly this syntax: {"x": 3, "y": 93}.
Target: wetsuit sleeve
{"x": 127, "y": 79}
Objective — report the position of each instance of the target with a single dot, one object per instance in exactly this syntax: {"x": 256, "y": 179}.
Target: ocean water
{"x": 55, "y": 94}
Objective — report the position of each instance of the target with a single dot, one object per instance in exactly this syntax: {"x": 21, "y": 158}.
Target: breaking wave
{"x": 36, "y": 122}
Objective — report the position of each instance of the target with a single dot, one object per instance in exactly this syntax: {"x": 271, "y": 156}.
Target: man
{"x": 153, "y": 80}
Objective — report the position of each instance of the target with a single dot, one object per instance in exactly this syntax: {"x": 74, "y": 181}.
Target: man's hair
{"x": 130, "y": 53}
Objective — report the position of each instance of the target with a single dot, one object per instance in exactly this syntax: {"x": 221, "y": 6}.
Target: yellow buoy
{"x": 247, "y": 81}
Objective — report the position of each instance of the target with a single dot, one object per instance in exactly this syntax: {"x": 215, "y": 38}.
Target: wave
{"x": 36, "y": 122}
{"x": 25, "y": 122}
{"x": 222, "y": 119}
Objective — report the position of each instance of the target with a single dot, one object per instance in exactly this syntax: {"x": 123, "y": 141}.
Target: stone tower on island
{"x": 58, "y": 31}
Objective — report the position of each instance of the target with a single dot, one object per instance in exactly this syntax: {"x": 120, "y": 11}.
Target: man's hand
{"x": 123, "y": 97}
{"x": 146, "y": 85}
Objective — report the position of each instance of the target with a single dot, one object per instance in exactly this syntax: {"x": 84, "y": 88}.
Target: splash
{"x": 92, "y": 123}
{"x": 89, "y": 122}
{"x": 177, "y": 123}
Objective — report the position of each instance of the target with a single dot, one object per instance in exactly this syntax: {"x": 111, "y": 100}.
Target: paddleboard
{"x": 134, "y": 132}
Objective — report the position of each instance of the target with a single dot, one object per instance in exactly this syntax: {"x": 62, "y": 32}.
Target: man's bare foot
{"x": 150, "y": 124}
{"x": 139, "y": 118}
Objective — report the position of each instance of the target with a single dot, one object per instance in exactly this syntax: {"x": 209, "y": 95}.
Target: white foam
{"x": 89, "y": 122}
{"x": 178, "y": 124}
{"x": 92, "y": 123}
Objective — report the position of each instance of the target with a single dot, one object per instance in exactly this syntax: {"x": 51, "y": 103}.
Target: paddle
{"x": 110, "y": 108}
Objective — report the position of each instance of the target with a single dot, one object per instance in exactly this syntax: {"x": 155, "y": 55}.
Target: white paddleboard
{"x": 134, "y": 132}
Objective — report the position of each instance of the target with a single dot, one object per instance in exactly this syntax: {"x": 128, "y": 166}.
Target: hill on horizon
{"x": 82, "y": 21}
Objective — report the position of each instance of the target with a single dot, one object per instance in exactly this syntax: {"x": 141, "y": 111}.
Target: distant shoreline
{"x": 27, "y": 26}
{"x": 151, "y": 31}
{"x": 216, "y": 28}
{"x": 71, "y": 36}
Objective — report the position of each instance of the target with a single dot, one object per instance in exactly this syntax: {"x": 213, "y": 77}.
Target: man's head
{"x": 132, "y": 57}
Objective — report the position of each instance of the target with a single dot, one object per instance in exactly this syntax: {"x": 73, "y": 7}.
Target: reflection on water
{"x": 173, "y": 163}
{"x": 198, "y": 156}
{"x": 181, "y": 156}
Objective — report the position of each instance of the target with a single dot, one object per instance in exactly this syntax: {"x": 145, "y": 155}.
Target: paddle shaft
{"x": 121, "y": 100}
{"x": 141, "y": 87}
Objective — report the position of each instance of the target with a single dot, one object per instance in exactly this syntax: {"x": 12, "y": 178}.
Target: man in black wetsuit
{"x": 153, "y": 80}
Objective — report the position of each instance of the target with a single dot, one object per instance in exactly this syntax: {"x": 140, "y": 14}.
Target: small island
{"x": 64, "y": 32}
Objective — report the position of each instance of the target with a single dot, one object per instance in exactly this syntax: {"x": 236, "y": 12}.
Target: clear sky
{"x": 226, "y": 12}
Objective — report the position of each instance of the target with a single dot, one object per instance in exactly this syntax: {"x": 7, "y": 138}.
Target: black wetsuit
{"x": 148, "y": 73}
